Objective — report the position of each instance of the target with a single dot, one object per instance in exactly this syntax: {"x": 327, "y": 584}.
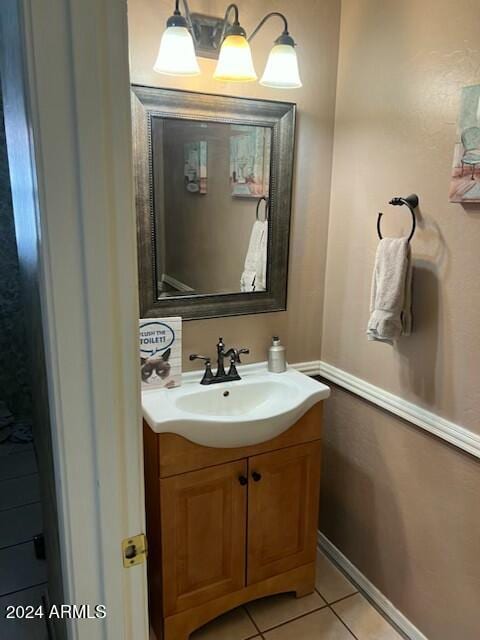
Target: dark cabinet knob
{"x": 256, "y": 476}
{"x": 242, "y": 480}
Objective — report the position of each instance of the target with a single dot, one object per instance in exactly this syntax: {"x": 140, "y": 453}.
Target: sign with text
{"x": 161, "y": 352}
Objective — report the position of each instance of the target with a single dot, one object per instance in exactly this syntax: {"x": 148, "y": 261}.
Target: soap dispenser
{"x": 277, "y": 362}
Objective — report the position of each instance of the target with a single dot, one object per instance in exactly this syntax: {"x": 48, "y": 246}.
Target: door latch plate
{"x": 134, "y": 550}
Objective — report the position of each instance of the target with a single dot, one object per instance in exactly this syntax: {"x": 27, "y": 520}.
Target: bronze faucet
{"x": 221, "y": 375}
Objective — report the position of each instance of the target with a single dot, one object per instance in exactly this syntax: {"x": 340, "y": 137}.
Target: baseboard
{"x": 369, "y": 589}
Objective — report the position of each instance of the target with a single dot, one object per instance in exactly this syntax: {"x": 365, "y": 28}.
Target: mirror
{"x": 213, "y": 182}
{"x": 208, "y": 179}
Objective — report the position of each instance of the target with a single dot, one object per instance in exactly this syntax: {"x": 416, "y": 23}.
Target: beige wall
{"x": 400, "y": 70}
{"x": 402, "y": 505}
{"x": 314, "y": 24}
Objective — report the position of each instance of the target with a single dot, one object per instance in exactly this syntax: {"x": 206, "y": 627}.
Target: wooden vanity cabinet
{"x": 203, "y": 520}
{"x": 282, "y": 510}
{"x": 225, "y": 526}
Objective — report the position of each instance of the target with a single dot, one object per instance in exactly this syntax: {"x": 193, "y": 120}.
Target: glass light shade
{"x": 235, "y": 62}
{"x": 281, "y": 70}
{"x": 176, "y": 56}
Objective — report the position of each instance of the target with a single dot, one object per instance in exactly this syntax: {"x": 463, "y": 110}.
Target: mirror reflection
{"x": 211, "y": 188}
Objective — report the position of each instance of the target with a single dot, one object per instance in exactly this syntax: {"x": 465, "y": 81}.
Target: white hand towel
{"x": 261, "y": 278}
{"x": 390, "y": 303}
{"x": 254, "y": 272}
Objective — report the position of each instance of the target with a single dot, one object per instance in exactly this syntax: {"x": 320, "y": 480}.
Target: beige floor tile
{"x": 364, "y": 620}
{"x": 272, "y": 611}
{"x": 330, "y": 581}
{"x": 154, "y": 637}
{"x": 320, "y": 625}
{"x": 234, "y": 625}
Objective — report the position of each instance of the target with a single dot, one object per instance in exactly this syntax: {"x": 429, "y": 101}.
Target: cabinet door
{"x": 203, "y": 535}
{"x": 283, "y": 497}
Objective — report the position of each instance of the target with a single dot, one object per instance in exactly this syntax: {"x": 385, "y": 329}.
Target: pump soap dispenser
{"x": 277, "y": 362}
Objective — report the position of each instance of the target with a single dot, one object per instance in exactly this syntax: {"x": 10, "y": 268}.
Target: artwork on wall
{"x": 195, "y": 172}
{"x": 250, "y": 161}
{"x": 465, "y": 184}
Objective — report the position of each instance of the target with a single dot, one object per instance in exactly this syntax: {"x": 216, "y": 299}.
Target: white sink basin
{"x": 254, "y": 409}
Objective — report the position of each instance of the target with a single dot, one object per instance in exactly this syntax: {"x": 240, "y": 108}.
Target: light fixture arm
{"x": 264, "y": 20}
{"x": 231, "y": 7}
{"x": 186, "y": 8}
{"x": 188, "y": 18}
{"x": 235, "y": 28}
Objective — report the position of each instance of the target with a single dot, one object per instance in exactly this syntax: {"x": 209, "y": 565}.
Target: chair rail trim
{"x": 448, "y": 431}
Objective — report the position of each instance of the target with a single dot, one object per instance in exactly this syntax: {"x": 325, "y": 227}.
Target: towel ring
{"x": 267, "y": 203}
{"x": 412, "y": 203}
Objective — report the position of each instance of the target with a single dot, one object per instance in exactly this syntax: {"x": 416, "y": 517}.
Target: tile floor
{"x": 335, "y": 611}
{"x": 22, "y": 576}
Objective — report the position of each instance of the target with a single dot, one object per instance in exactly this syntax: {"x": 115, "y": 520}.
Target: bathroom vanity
{"x": 229, "y": 524}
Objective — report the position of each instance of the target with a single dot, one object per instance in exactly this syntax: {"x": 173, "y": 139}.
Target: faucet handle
{"x": 239, "y": 353}
{"x": 208, "y": 375}
{"x": 196, "y": 356}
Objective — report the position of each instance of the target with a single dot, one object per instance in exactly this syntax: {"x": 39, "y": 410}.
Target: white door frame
{"x": 67, "y": 112}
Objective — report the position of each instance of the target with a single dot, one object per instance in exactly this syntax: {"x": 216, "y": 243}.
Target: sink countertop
{"x": 254, "y": 409}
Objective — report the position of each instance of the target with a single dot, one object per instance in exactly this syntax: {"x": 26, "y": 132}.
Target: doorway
{"x": 28, "y": 523}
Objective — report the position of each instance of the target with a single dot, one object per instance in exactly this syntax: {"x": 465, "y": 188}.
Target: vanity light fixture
{"x": 176, "y": 56}
{"x": 226, "y": 40}
{"x": 281, "y": 70}
{"x": 235, "y": 62}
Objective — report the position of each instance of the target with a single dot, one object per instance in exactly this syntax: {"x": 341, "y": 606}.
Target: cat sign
{"x": 161, "y": 352}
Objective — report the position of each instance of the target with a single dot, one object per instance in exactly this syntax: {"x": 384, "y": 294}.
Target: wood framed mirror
{"x": 213, "y": 181}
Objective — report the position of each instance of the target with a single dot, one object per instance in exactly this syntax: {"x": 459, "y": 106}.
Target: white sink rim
{"x": 263, "y": 422}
